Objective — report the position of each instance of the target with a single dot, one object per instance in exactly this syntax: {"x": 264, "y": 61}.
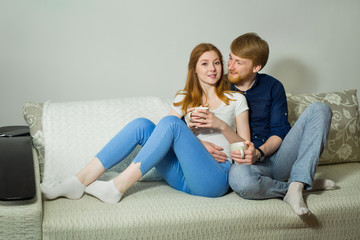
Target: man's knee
{"x": 318, "y": 114}
{"x": 243, "y": 181}
{"x": 322, "y": 109}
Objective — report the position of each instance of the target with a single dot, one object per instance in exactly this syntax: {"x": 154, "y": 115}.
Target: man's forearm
{"x": 271, "y": 145}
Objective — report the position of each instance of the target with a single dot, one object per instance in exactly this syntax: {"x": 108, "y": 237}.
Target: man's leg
{"x": 298, "y": 155}
{"x": 255, "y": 181}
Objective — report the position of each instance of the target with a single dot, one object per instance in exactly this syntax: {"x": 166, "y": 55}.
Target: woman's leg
{"x": 180, "y": 158}
{"x": 183, "y": 160}
{"x": 118, "y": 148}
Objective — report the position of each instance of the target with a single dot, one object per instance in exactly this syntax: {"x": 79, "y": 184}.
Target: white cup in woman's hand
{"x": 196, "y": 110}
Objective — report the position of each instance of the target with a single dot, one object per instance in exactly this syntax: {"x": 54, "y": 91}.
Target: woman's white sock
{"x": 70, "y": 188}
{"x": 105, "y": 191}
{"x": 294, "y": 197}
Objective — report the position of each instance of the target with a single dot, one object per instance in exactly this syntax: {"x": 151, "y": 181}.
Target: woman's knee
{"x": 142, "y": 123}
{"x": 243, "y": 181}
{"x": 169, "y": 119}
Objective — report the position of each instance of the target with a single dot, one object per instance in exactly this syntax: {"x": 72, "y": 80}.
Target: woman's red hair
{"x": 193, "y": 91}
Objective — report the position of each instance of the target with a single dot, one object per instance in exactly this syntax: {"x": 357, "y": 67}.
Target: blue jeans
{"x": 173, "y": 149}
{"x": 295, "y": 161}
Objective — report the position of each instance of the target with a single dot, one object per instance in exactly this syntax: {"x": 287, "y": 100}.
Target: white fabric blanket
{"x": 74, "y": 132}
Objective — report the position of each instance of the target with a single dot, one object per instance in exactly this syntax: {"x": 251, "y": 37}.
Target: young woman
{"x": 177, "y": 151}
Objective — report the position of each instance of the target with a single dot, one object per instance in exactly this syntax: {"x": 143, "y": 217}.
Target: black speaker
{"x": 17, "y": 177}
{"x": 14, "y": 131}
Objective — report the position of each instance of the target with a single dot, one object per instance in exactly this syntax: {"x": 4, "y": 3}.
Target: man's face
{"x": 239, "y": 69}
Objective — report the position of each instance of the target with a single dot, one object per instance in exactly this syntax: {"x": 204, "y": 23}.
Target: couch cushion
{"x": 343, "y": 143}
{"x": 153, "y": 210}
{"x": 74, "y": 132}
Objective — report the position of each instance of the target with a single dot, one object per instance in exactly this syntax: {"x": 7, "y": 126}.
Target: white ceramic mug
{"x": 201, "y": 108}
{"x": 196, "y": 110}
{"x": 239, "y": 146}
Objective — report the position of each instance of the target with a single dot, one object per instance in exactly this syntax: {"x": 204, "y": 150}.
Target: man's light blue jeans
{"x": 295, "y": 161}
{"x": 173, "y": 149}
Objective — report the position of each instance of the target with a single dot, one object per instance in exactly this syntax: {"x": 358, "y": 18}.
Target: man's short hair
{"x": 251, "y": 46}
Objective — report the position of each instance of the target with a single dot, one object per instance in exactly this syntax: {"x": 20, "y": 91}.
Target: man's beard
{"x": 238, "y": 78}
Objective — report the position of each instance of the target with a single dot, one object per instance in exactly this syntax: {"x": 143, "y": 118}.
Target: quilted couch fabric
{"x": 22, "y": 220}
{"x": 153, "y": 210}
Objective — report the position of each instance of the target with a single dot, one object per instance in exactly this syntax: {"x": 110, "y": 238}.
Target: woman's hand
{"x": 215, "y": 151}
{"x": 250, "y": 155}
{"x": 190, "y": 123}
{"x": 205, "y": 119}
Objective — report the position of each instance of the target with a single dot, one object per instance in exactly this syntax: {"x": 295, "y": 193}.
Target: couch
{"x": 65, "y": 135}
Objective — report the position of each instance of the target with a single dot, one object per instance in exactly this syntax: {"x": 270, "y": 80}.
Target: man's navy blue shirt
{"x": 268, "y": 111}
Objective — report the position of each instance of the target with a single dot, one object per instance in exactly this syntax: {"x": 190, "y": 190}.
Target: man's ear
{"x": 257, "y": 68}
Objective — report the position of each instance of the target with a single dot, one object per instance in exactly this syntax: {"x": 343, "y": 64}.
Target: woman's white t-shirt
{"x": 227, "y": 113}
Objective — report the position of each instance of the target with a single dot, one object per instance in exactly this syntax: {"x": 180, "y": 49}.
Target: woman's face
{"x": 208, "y": 68}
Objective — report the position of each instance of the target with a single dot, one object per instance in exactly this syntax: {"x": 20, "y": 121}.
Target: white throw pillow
{"x": 74, "y": 132}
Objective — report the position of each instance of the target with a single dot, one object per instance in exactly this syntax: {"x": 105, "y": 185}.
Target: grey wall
{"x": 94, "y": 49}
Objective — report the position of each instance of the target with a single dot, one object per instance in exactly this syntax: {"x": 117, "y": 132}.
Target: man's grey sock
{"x": 295, "y": 199}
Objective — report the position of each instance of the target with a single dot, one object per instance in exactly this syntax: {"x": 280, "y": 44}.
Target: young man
{"x": 281, "y": 161}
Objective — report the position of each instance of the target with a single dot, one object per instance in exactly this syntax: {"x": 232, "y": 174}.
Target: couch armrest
{"x": 23, "y": 219}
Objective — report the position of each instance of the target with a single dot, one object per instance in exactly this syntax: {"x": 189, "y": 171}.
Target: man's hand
{"x": 250, "y": 155}
{"x": 215, "y": 151}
